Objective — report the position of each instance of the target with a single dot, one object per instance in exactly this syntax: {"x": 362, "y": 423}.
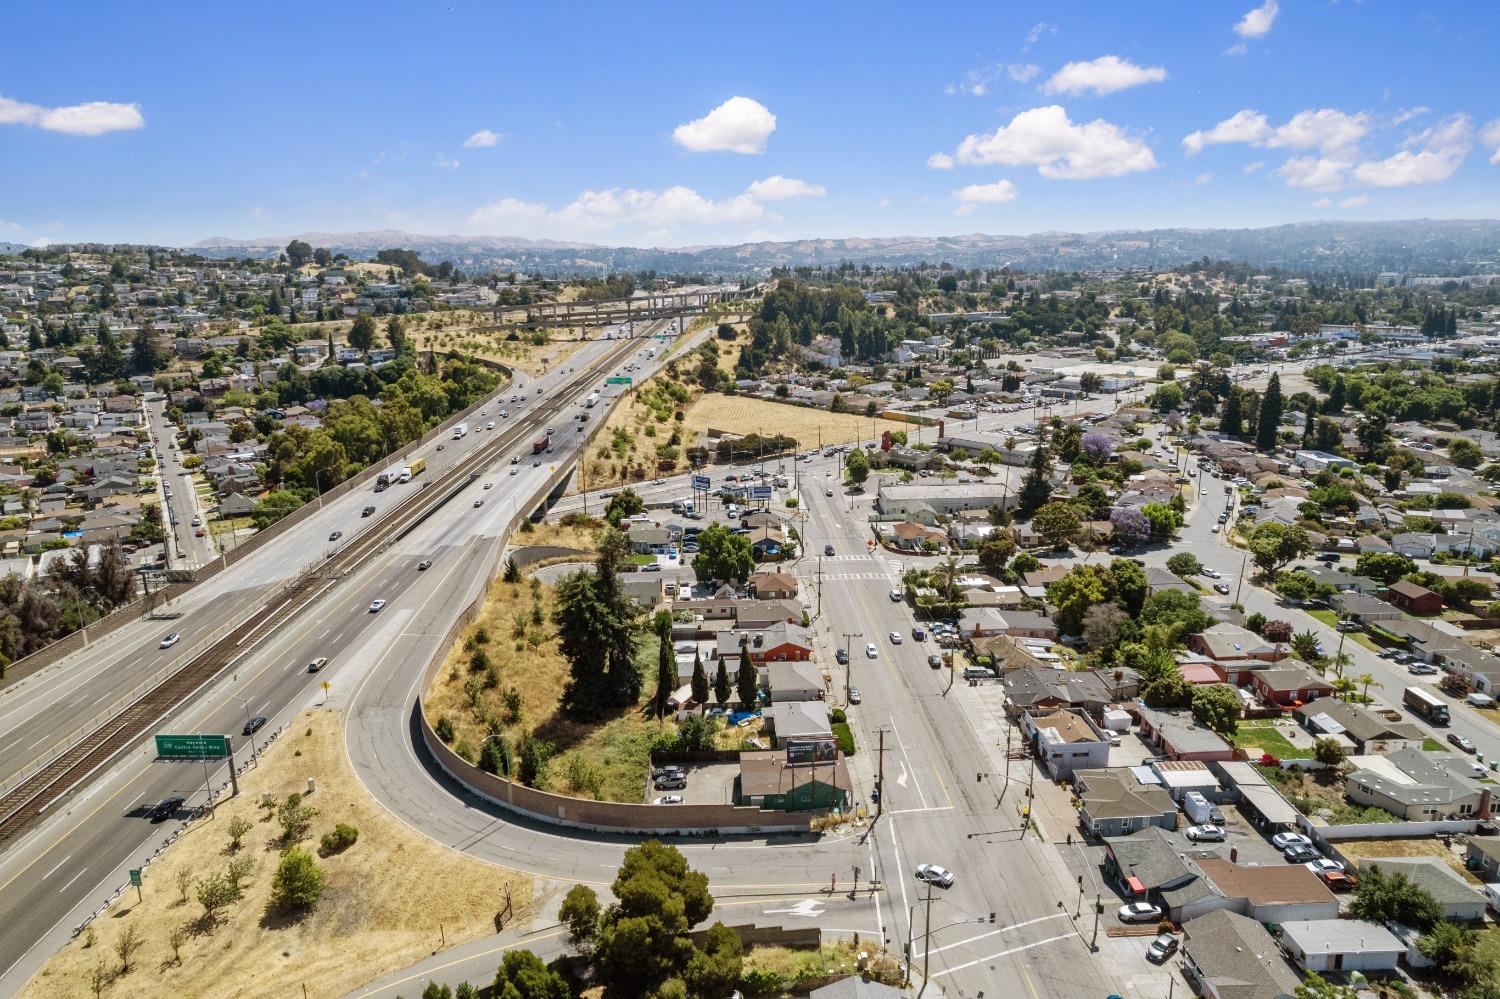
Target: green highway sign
{"x": 618, "y": 380}
{"x": 135, "y": 877}
{"x": 191, "y": 747}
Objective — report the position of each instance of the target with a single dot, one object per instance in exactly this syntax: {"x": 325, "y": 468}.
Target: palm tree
{"x": 1366, "y": 681}
{"x": 1343, "y": 687}
{"x": 1010, "y": 450}
{"x": 947, "y": 571}
{"x": 1305, "y": 645}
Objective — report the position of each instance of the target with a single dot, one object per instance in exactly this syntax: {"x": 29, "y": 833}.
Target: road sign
{"x": 191, "y": 747}
{"x": 618, "y": 380}
{"x": 325, "y": 686}
{"x": 761, "y": 492}
{"x": 135, "y": 877}
{"x": 702, "y": 483}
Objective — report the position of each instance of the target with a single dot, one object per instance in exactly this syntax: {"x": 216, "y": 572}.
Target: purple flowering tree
{"x": 1096, "y": 446}
{"x": 1131, "y": 526}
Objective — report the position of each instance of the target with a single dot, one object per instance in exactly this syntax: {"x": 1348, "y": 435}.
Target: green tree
{"x": 1083, "y": 587}
{"x": 745, "y": 681}
{"x": 716, "y": 968}
{"x": 1295, "y": 586}
{"x": 1232, "y": 422}
{"x": 1381, "y": 897}
{"x": 594, "y": 622}
{"x": 700, "y": 682}
{"x": 1217, "y": 706}
{"x": 1315, "y": 986}
{"x": 857, "y": 466}
{"x": 1180, "y": 612}
{"x": 625, "y": 503}
{"x": 298, "y": 252}
{"x": 1465, "y": 453}
{"x": 294, "y": 816}
{"x": 1270, "y": 415}
{"x": 1129, "y": 584}
{"x": 1184, "y": 564}
{"x": 1167, "y": 397}
{"x": 1107, "y": 625}
{"x": 1305, "y": 646}
{"x": 395, "y": 333}
{"x": 580, "y": 913}
{"x": 1385, "y": 567}
{"x": 1329, "y": 752}
{"x": 1170, "y": 691}
{"x": 643, "y": 938}
{"x": 722, "y": 686}
{"x": 666, "y": 664}
{"x": 1036, "y": 486}
{"x": 298, "y": 882}
{"x": 1057, "y": 522}
{"x": 362, "y": 334}
{"x": 523, "y": 975}
{"x": 994, "y": 552}
{"x": 1274, "y": 545}
{"x": 1165, "y": 521}
{"x": 723, "y": 555}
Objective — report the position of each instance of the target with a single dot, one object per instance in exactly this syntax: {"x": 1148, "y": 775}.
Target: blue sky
{"x": 658, "y": 124}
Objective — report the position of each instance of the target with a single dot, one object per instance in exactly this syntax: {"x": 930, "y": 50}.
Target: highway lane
{"x": 60, "y": 869}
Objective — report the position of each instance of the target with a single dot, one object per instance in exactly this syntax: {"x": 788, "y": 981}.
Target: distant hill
{"x": 1414, "y": 246}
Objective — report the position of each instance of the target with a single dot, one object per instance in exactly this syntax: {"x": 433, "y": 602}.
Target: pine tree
{"x": 666, "y": 669}
{"x": 746, "y": 682}
{"x": 1270, "y": 416}
{"x": 1232, "y": 423}
{"x": 1036, "y": 487}
{"x": 722, "y": 686}
{"x": 700, "y": 682}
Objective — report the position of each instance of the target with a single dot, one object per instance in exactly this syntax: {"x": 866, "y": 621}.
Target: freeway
{"x": 58, "y": 872}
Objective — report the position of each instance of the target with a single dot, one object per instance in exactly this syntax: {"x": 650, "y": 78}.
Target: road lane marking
{"x": 1003, "y": 929}
{"x": 1003, "y": 953}
{"x": 71, "y": 880}
{"x": 59, "y": 866}
{"x": 907, "y": 757}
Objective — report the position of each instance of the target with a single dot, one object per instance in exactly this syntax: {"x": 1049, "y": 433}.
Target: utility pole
{"x": 1244, "y": 559}
{"x": 1098, "y": 905}
{"x": 849, "y": 665}
{"x": 234, "y": 778}
{"x": 880, "y": 776}
{"x": 820, "y": 586}
{"x": 926, "y": 942}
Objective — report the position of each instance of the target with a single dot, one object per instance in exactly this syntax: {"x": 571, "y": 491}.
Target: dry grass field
{"x": 1373, "y": 849}
{"x": 385, "y": 897}
{"x": 741, "y": 415}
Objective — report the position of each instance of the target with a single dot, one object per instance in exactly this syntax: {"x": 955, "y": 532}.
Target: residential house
{"x": 780, "y": 642}
{"x": 1414, "y": 545}
{"x": 1341, "y": 945}
{"x": 792, "y": 720}
{"x": 911, "y": 537}
{"x": 773, "y": 585}
{"x": 1230, "y": 956}
{"x": 1151, "y": 865}
{"x": 1289, "y": 686}
{"x": 1176, "y": 736}
{"x": 1459, "y": 901}
{"x": 648, "y": 539}
{"x": 1228, "y": 642}
{"x": 1045, "y": 687}
{"x": 793, "y": 681}
{"x": 1370, "y": 734}
{"x": 1363, "y": 607}
{"x": 1482, "y": 856}
{"x": 1417, "y": 785}
{"x": 1114, "y": 803}
{"x": 1414, "y": 599}
{"x": 1270, "y": 893}
{"x": 1065, "y": 740}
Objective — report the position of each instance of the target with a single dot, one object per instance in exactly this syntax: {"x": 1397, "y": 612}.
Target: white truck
{"x": 461, "y": 431}
{"x": 591, "y": 401}
{"x": 1200, "y": 810}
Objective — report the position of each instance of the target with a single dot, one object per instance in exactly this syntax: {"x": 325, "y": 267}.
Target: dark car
{"x": 1461, "y": 742}
{"x": 1300, "y": 854}
{"x": 166, "y": 808}
{"x": 424, "y": 565}
{"x": 672, "y": 783}
{"x": 935, "y": 661}
{"x": 842, "y": 656}
{"x": 367, "y": 511}
{"x": 254, "y": 725}
{"x": 335, "y": 535}
{"x": 828, "y": 549}
{"x": 670, "y": 772}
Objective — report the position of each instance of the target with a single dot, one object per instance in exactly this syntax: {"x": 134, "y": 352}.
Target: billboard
{"x": 822, "y": 749}
{"x": 761, "y": 492}
{"x": 702, "y": 483}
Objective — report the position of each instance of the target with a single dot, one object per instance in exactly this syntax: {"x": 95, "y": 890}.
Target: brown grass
{"x": 1357, "y": 849}
{"x": 606, "y": 760}
{"x": 380, "y": 912}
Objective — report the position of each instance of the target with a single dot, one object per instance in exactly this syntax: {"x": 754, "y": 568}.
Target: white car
{"x": 1211, "y": 573}
{"x": 375, "y": 606}
{"x": 489, "y": 485}
{"x": 933, "y": 874}
{"x": 1206, "y": 834}
{"x": 871, "y": 652}
{"x": 896, "y": 596}
{"x": 1139, "y": 912}
{"x": 1203, "y": 491}
{"x": 895, "y": 637}
{"x": 669, "y": 799}
{"x": 1287, "y": 839}
{"x": 1324, "y": 865}
{"x": 170, "y": 640}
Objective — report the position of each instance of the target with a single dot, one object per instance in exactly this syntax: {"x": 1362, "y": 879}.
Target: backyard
{"x": 1256, "y": 737}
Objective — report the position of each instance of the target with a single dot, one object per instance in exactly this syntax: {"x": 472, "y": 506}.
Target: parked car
{"x": 1422, "y": 669}
{"x": 1211, "y": 574}
{"x": 669, "y": 799}
{"x": 1301, "y": 854}
{"x": 671, "y": 783}
{"x": 1139, "y": 912}
{"x": 896, "y": 596}
{"x": 1324, "y": 865}
{"x": 1283, "y": 840}
{"x": 1461, "y": 742}
{"x": 935, "y": 875}
{"x": 170, "y": 640}
{"x": 1205, "y": 834}
{"x": 841, "y": 656}
{"x": 652, "y": 567}
{"x": 1222, "y": 589}
{"x": 1163, "y": 947}
{"x": 670, "y": 770}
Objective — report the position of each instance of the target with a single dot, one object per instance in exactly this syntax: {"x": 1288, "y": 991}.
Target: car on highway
{"x": 1460, "y": 742}
{"x": 896, "y": 596}
{"x": 490, "y": 425}
{"x": 367, "y": 511}
{"x": 828, "y": 491}
{"x": 170, "y": 640}
{"x": 376, "y": 605}
{"x": 895, "y": 637}
{"x": 479, "y": 502}
{"x": 515, "y": 459}
{"x": 1300, "y": 854}
{"x": 1203, "y": 491}
{"x": 854, "y": 697}
{"x": 828, "y": 550}
{"x": 316, "y": 666}
{"x": 424, "y": 565}
{"x": 489, "y": 485}
{"x": 871, "y": 652}
{"x": 934, "y": 875}
{"x": 166, "y": 808}
{"x": 254, "y": 725}
{"x": 335, "y": 535}
{"x": 1138, "y": 912}
{"x": 1221, "y": 589}
{"x": 1163, "y": 947}
{"x": 1283, "y": 840}
{"x": 1206, "y": 834}
{"x": 669, "y": 799}
{"x": 935, "y": 661}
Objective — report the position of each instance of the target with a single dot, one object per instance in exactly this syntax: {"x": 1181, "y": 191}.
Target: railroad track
{"x": 72, "y": 769}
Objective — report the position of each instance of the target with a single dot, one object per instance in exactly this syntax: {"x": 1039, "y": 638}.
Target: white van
{"x": 1478, "y": 700}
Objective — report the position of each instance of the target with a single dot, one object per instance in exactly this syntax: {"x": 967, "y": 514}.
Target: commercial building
{"x": 1065, "y": 741}
{"x": 768, "y": 781}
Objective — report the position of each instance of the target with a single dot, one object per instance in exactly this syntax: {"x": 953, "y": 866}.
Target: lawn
{"x": 1431, "y": 745}
{"x": 1325, "y": 615}
{"x": 385, "y": 900}
{"x": 1263, "y": 735}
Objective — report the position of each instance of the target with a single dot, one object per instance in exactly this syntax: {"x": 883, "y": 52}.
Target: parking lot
{"x": 707, "y": 784}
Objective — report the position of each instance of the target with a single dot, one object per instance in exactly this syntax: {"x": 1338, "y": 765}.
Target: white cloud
{"x": 998, "y": 193}
{"x": 779, "y": 188}
{"x": 445, "y": 162}
{"x": 1429, "y": 156}
{"x": 1203, "y": 179}
{"x": 1323, "y": 203}
{"x": 739, "y": 125}
{"x": 1037, "y": 31}
{"x": 91, "y": 118}
{"x": 1355, "y": 202}
{"x": 1103, "y": 75}
{"x": 1022, "y": 72}
{"x": 1257, "y": 22}
{"x": 1315, "y": 173}
{"x": 883, "y": 203}
{"x": 1325, "y": 129}
{"x": 1059, "y": 148}
{"x": 483, "y": 139}
{"x": 1490, "y": 136}
{"x": 507, "y": 211}
{"x": 977, "y": 82}
{"x": 1407, "y": 114}
{"x": 1252, "y": 167}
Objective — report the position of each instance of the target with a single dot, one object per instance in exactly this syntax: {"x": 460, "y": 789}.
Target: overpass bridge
{"x": 612, "y": 312}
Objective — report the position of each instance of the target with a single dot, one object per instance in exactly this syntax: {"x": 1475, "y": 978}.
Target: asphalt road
{"x": 186, "y": 550}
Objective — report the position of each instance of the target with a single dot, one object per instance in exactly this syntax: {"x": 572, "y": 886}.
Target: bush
{"x": 444, "y": 729}
{"x": 845, "y": 737}
{"x": 759, "y": 982}
{"x": 342, "y": 837}
{"x": 298, "y": 882}
{"x": 837, "y": 716}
